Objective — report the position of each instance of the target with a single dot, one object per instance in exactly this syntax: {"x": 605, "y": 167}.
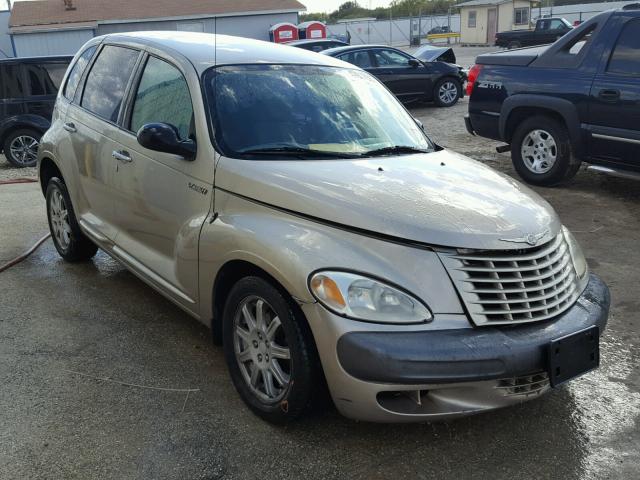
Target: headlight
{"x": 362, "y": 298}
{"x": 579, "y": 262}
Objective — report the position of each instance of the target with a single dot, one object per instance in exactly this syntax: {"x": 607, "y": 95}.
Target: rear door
{"x": 92, "y": 124}
{"x": 160, "y": 202}
{"x": 614, "y": 108}
{"x": 408, "y": 82}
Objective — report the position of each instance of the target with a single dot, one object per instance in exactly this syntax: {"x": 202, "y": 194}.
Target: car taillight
{"x": 474, "y": 72}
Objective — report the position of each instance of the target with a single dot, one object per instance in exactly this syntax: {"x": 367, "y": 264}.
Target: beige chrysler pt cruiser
{"x": 288, "y": 201}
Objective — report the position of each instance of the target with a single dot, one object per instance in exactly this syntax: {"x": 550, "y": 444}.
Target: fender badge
{"x": 532, "y": 238}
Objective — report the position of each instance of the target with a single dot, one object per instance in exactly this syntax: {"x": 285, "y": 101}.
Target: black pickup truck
{"x": 547, "y": 30}
{"x": 558, "y": 105}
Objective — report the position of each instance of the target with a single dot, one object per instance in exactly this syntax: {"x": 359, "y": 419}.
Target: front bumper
{"x": 392, "y": 376}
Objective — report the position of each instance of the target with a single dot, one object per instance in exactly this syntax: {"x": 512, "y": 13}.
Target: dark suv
{"x": 557, "y": 105}
{"x": 28, "y": 89}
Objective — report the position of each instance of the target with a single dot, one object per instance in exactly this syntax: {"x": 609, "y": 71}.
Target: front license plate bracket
{"x": 573, "y": 355}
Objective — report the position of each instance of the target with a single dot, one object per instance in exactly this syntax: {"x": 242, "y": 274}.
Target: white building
{"x": 55, "y": 27}
{"x": 480, "y": 20}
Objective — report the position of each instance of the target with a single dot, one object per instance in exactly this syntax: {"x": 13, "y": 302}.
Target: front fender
{"x": 290, "y": 248}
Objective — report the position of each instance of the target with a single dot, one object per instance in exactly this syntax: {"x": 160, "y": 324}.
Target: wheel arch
{"x": 227, "y": 276}
{"x": 47, "y": 170}
{"x": 519, "y": 107}
{"x": 19, "y": 122}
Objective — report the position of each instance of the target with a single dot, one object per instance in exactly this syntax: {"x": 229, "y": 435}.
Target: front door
{"x": 492, "y": 25}
{"x": 160, "y": 206}
{"x": 614, "y": 108}
{"x": 408, "y": 82}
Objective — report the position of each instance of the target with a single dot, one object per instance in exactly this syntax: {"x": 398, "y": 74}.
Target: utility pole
{"x": 390, "y": 26}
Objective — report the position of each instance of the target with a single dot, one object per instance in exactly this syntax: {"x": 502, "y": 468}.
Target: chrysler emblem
{"x": 532, "y": 238}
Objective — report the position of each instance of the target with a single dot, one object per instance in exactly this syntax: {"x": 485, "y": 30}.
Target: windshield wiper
{"x": 293, "y": 151}
{"x": 394, "y": 150}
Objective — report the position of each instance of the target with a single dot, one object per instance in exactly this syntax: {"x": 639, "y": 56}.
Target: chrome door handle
{"x": 70, "y": 127}
{"x": 121, "y": 156}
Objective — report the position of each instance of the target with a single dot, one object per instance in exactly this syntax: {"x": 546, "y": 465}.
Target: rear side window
{"x": 625, "y": 59}
{"x": 44, "y": 79}
{"x": 163, "y": 96}
{"x": 107, "y": 81}
{"x": 76, "y": 72}
{"x": 360, "y": 59}
{"x": 11, "y": 81}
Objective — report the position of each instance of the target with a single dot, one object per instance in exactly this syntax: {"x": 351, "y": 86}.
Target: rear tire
{"x": 447, "y": 92}
{"x": 541, "y": 152}
{"x": 70, "y": 242}
{"x": 21, "y": 147}
{"x": 274, "y": 367}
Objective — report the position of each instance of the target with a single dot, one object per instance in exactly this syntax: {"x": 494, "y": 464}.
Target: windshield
{"x": 307, "y": 112}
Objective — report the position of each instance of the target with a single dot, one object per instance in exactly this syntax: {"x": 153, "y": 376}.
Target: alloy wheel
{"x": 448, "y": 92}
{"x": 261, "y": 349}
{"x": 60, "y": 220}
{"x": 24, "y": 150}
{"x": 539, "y": 151}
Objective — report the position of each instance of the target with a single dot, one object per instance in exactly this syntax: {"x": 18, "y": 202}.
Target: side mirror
{"x": 414, "y": 62}
{"x": 419, "y": 123}
{"x": 162, "y": 137}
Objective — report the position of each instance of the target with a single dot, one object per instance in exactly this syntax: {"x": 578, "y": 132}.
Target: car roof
{"x": 352, "y": 48}
{"x": 205, "y": 50}
{"x": 315, "y": 40}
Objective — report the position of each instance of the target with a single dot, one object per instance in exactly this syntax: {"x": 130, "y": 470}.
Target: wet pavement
{"x": 61, "y": 322}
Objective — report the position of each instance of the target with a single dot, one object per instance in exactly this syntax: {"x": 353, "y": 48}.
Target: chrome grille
{"x": 515, "y": 286}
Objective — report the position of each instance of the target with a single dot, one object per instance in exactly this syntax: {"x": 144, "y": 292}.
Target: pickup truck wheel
{"x": 70, "y": 242}
{"x": 447, "y": 92}
{"x": 514, "y": 44}
{"x": 21, "y": 147}
{"x": 541, "y": 152}
{"x": 270, "y": 356}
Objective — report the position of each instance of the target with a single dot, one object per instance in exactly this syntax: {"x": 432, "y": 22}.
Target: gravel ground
{"x": 9, "y": 172}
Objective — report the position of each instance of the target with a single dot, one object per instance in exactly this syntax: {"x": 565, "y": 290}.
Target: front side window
{"x": 521, "y": 16}
{"x": 107, "y": 81}
{"x": 390, "y": 58}
{"x": 557, "y": 24}
{"x": 312, "y": 109}
{"x": 44, "y": 79}
{"x": 359, "y": 59}
{"x": 76, "y": 72}
{"x": 162, "y": 96}
{"x": 625, "y": 59}
{"x": 471, "y": 21}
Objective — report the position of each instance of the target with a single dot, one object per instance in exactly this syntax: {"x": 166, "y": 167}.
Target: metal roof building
{"x": 55, "y": 27}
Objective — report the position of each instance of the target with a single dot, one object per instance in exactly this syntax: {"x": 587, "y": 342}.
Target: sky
{"x": 331, "y": 5}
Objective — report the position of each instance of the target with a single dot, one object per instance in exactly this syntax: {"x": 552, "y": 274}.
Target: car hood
{"x": 428, "y": 53}
{"x": 440, "y": 198}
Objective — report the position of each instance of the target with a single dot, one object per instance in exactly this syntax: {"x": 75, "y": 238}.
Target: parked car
{"x": 577, "y": 100}
{"x": 409, "y": 78}
{"x": 547, "y": 30}
{"x": 291, "y": 203}
{"x": 28, "y": 90}
{"x": 438, "y": 30}
{"x": 317, "y": 45}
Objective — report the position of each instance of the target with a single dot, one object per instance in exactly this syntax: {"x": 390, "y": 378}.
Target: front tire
{"x": 21, "y": 147}
{"x": 541, "y": 152}
{"x": 70, "y": 242}
{"x": 270, "y": 355}
{"x": 447, "y": 92}
{"x": 514, "y": 44}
